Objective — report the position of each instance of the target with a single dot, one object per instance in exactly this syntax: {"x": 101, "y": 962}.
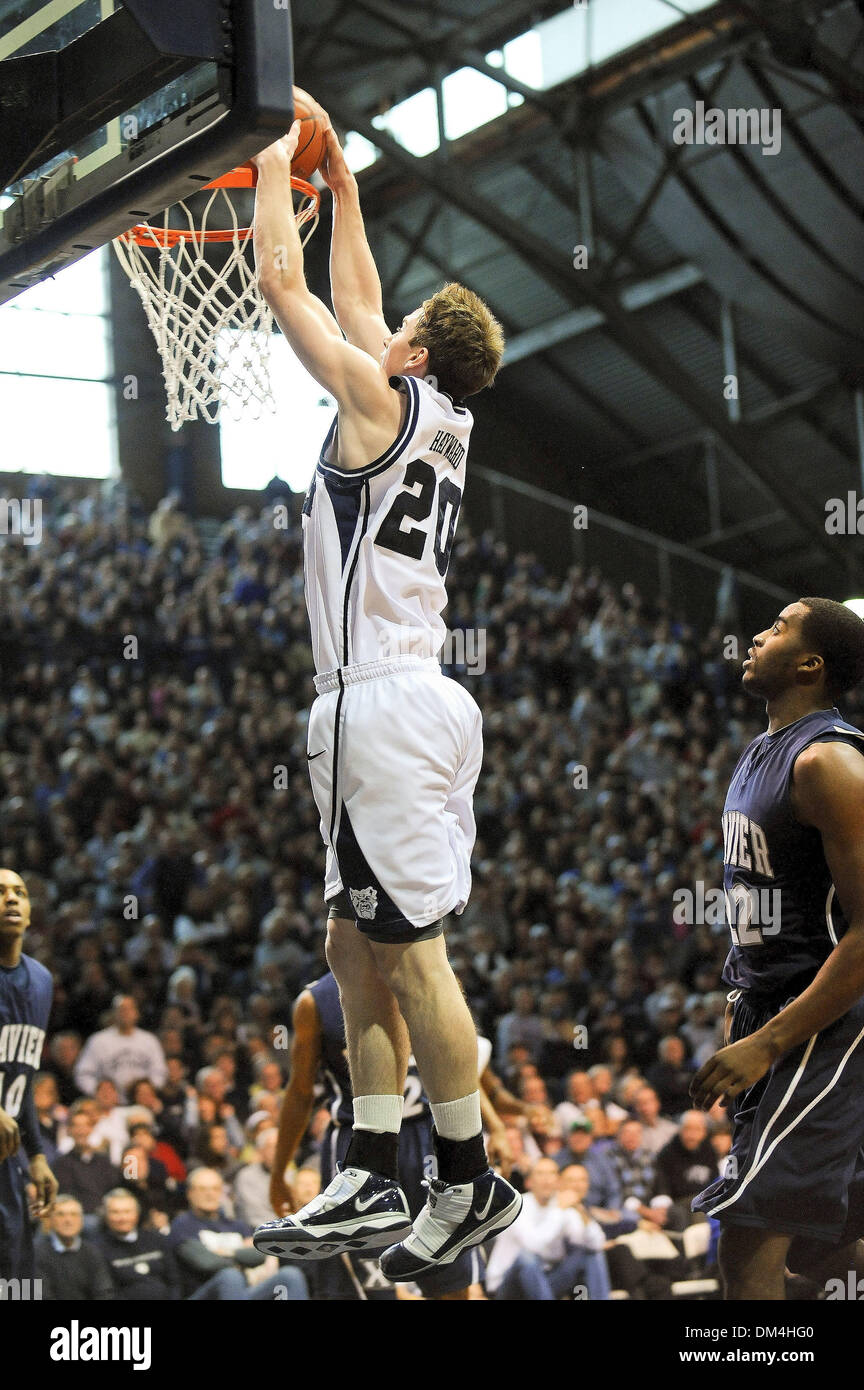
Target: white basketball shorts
{"x": 394, "y": 750}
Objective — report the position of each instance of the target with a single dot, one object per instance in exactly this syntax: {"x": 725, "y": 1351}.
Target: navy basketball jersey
{"x": 334, "y": 1060}
{"x": 780, "y": 902}
{"x": 25, "y": 1004}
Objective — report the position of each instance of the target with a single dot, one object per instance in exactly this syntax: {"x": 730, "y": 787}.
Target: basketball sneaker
{"x": 454, "y": 1218}
{"x": 358, "y": 1210}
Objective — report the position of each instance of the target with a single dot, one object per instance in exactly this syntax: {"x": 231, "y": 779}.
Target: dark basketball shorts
{"x": 331, "y": 1279}
{"x": 797, "y": 1160}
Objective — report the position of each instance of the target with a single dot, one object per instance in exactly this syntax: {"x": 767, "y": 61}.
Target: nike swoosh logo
{"x": 311, "y": 756}
{"x": 481, "y": 1215}
{"x": 361, "y": 1204}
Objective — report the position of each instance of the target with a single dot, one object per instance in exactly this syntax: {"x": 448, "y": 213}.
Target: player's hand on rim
{"x": 334, "y": 168}
{"x": 734, "y": 1068}
{"x": 281, "y": 149}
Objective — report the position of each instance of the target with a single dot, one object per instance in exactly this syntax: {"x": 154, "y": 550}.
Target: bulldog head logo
{"x": 365, "y": 902}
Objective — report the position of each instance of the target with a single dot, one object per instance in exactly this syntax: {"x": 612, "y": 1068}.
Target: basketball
{"x": 313, "y": 135}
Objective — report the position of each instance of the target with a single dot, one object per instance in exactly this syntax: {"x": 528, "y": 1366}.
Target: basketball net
{"x": 212, "y": 326}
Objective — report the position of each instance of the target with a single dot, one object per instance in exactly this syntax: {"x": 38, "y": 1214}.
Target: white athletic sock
{"x": 458, "y": 1119}
{"x": 381, "y": 1114}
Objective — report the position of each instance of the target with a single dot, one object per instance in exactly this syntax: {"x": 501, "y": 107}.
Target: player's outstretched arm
{"x": 45, "y": 1183}
{"x": 505, "y": 1103}
{"x": 355, "y": 284}
{"x": 40, "y": 1173}
{"x": 298, "y": 1098}
{"x": 502, "y": 1099}
{"x": 348, "y": 373}
{"x": 828, "y": 794}
{"x": 498, "y": 1149}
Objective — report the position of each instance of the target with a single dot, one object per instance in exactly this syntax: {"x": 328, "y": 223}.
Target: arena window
{"x": 580, "y": 37}
{"x": 284, "y": 444}
{"x": 360, "y": 153}
{"x": 55, "y": 368}
{"x": 413, "y": 122}
{"x": 471, "y": 99}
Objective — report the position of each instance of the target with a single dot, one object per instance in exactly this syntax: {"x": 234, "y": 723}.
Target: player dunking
{"x": 793, "y": 827}
{"x": 394, "y": 747}
{"x": 25, "y": 1003}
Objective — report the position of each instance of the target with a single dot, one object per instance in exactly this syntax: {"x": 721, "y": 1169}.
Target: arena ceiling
{"x": 704, "y": 261}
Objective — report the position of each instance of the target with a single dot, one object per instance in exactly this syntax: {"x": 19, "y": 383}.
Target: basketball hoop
{"x": 211, "y": 326}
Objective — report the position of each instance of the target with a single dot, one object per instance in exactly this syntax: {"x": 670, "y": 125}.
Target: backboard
{"x": 110, "y": 112}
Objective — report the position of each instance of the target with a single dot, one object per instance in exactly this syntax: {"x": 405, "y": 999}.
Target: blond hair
{"x": 464, "y": 340}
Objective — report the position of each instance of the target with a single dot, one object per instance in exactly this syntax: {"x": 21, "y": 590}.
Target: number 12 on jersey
{"x": 415, "y": 504}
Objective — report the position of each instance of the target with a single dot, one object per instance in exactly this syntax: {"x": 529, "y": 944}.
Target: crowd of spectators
{"x": 154, "y": 795}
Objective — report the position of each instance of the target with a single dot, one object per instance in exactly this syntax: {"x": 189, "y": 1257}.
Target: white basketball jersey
{"x": 377, "y": 539}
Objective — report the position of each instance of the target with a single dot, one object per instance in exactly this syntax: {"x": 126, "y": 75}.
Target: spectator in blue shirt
{"x": 634, "y": 1166}
{"x": 212, "y": 1250}
{"x": 604, "y": 1199}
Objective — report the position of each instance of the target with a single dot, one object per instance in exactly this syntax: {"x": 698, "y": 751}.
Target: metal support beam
{"x": 550, "y": 105}
{"x": 859, "y": 430}
{"x": 631, "y": 336}
{"x": 460, "y": 42}
{"x": 712, "y": 483}
{"x": 412, "y": 249}
{"x": 440, "y": 72}
{"x": 585, "y": 192}
{"x": 625, "y": 528}
{"x": 730, "y": 362}
{"x": 726, "y": 228}
{"x": 793, "y": 38}
{"x": 808, "y": 395}
{"x": 693, "y": 439}
{"x": 705, "y": 442}
{"x": 618, "y": 423}
{"x": 637, "y": 75}
{"x": 741, "y": 528}
{"x": 795, "y": 127}
{"x": 784, "y": 208}
{"x": 672, "y": 156}
{"x": 634, "y": 296}
{"x": 697, "y": 43}
{"x": 760, "y": 416}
